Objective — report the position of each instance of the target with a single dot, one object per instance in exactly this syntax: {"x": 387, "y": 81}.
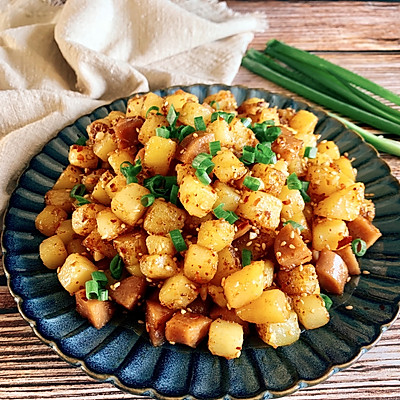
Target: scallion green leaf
{"x": 183, "y": 131}
{"x": 203, "y": 177}
{"x": 199, "y": 123}
{"x": 197, "y": 161}
{"x": 228, "y": 117}
{"x": 214, "y": 147}
{"x": 247, "y": 256}
{"x": 264, "y": 154}
{"x": 103, "y": 295}
{"x": 214, "y": 104}
{"x": 130, "y": 171}
{"x": 252, "y": 183}
{"x": 310, "y": 152}
{"x": 77, "y": 193}
{"x": 246, "y": 122}
{"x": 116, "y": 267}
{"x": 172, "y": 116}
{"x": 81, "y": 141}
{"x": 229, "y": 216}
{"x": 163, "y": 132}
{"x": 293, "y": 182}
{"x": 147, "y": 200}
{"x": 327, "y": 301}
{"x": 92, "y": 289}
{"x": 100, "y": 277}
{"x": 151, "y": 109}
{"x": 294, "y": 224}
{"x": 359, "y": 247}
{"x": 177, "y": 240}
{"x": 173, "y": 196}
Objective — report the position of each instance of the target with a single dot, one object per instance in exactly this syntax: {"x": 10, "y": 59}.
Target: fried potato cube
{"x": 261, "y": 209}
{"x": 75, "y": 271}
{"x": 217, "y": 295}
{"x": 118, "y": 157}
{"x": 227, "y": 166}
{"x": 273, "y": 179}
{"x": 343, "y": 204}
{"x": 228, "y": 263}
{"x": 227, "y": 195}
{"x": 178, "y": 292}
{"x": 129, "y": 291}
{"x": 65, "y": 231}
{"x": 99, "y": 191}
{"x": 280, "y": 333}
{"x": 49, "y": 219}
{"x": 198, "y": 199}
{"x": 163, "y": 217}
{"x": 139, "y": 105}
{"x": 115, "y": 185}
{"x": 229, "y": 315}
{"x": 225, "y": 339}
{"x": 109, "y": 225}
{"x": 245, "y": 285}
{"x": 311, "y": 311}
{"x": 362, "y": 228}
{"x": 156, "y": 317}
{"x": 59, "y": 198}
{"x": 158, "y": 266}
{"x": 97, "y": 312}
{"x": 303, "y": 122}
{"x": 84, "y": 218}
{"x": 158, "y": 154}
{"x": 52, "y": 252}
{"x": 301, "y": 279}
{"x": 292, "y": 202}
{"x": 327, "y": 233}
{"x": 200, "y": 263}
{"x": 104, "y": 146}
{"x": 329, "y": 148}
{"x": 271, "y": 307}
{"x": 286, "y": 146}
{"x": 126, "y": 204}
{"x": 131, "y": 247}
{"x": 70, "y": 177}
{"x": 216, "y": 234}
{"x": 191, "y": 110}
{"x": 178, "y": 99}
{"x": 243, "y": 135}
{"x": 158, "y": 244}
{"x": 220, "y": 129}
{"x": 188, "y": 328}
{"x": 222, "y": 100}
{"x": 99, "y": 247}
{"x": 148, "y": 129}
{"x": 82, "y": 157}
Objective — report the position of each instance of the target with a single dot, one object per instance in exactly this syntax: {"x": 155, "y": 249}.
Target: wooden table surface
{"x": 363, "y": 36}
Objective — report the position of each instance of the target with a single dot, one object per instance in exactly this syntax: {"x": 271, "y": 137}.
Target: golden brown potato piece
{"x": 290, "y": 249}
{"x": 188, "y": 328}
{"x": 301, "y": 279}
{"x": 49, "y": 219}
{"x": 363, "y": 229}
{"x": 350, "y": 259}
{"x": 97, "y": 312}
{"x": 156, "y": 317}
{"x": 84, "y": 218}
{"x": 229, "y": 315}
{"x": 332, "y": 272}
{"x": 225, "y": 338}
{"x": 99, "y": 247}
{"x": 193, "y": 145}
{"x": 127, "y": 131}
{"x": 129, "y": 291}
{"x": 286, "y": 146}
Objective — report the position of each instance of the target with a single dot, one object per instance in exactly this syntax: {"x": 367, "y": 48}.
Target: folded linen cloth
{"x": 60, "y": 61}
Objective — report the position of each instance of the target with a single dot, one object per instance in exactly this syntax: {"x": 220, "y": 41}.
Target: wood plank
{"x": 329, "y": 25}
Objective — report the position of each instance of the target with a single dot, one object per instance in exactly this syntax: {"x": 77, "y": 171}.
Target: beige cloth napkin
{"x": 58, "y": 62}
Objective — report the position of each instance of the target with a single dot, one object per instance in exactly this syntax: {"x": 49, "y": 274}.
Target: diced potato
{"x": 363, "y": 229}
{"x": 253, "y": 108}
{"x": 150, "y": 125}
{"x": 222, "y": 100}
{"x": 84, "y": 218}
{"x": 228, "y": 167}
{"x": 109, "y": 225}
{"x": 303, "y": 122}
{"x": 82, "y": 157}
{"x": 191, "y": 110}
{"x": 115, "y": 185}
{"x": 200, "y": 263}
{"x": 134, "y": 270}
{"x": 286, "y": 146}
{"x": 216, "y": 234}
{"x": 156, "y": 318}
{"x": 271, "y": 307}
{"x": 126, "y": 131}
{"x": 229, "y": 315}
{"x": 198, "y": 199}
{"x": 99, "y": 247}
{"x": 129, "y": 291}
{"x": 262, "y": 209}
{"x": 131, "y": 247}
{"x": 292, "y": 202}
{"x": 70, "y": 177}
{"x": 188, "y": 328}
{"x": 158, "y": 244}
{"x": 90, "y": 180}
{"x": 52, "y": 252}
{"x": 273, "y": 179}
{"x": 343, "y": 204}
{"x": 97, "y": 312}
{"x": 99, "y": 191}
{"x": 158, "y": 154}
{"x": 76, "y": 246}
{"x": 126, "y": 204}
{"x": 311, "y": 311}
{"x": 225, "y": 338}
{"x": 177, "y": 292}
{"x": 345, "y": 167}
{"x": 220, "y": 129}
{"x": 299, "y": 280}
{"x": 329, "y": 148}
{"x": 350, "y": 259}
{"x": 332, "y": 272}
{"x": 65, "y": 231}
{"x": 328, "y": 233}
{"x": 104, "y": 145}
{"x": 178, "y": 99}
{"x": 245, "y": 285}
{"x": 217, "y": 295}
{"x": 158, "y": 266}
{"x": 280, "y": 333}
{"x": 134, "y": 106}
{"x": 60, "y": 198}
{"x": 290, "y": 249}
{"x": 118, "y": 157}
{"x": 151, "y": 100}
{"x": 227, "y": 195}
{"x": 228, "y": 263}
{"x": 163, "y": 217}
{"x": 75, "y": 271}
{"x": 49, "y": 219}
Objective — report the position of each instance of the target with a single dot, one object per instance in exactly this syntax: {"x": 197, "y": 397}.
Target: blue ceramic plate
{"x": 121, "y": 352}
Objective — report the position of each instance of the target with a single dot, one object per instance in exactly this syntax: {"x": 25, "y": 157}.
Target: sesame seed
{"x": 349, "y": 307}
{"x": 292, "y": 234}
{"x": 366, "y": 272}
{"x": 249, "y": 243}
{"x": 252, "y": 235}
{"x": 283, "y": 243}
{"x": 278, "y": 253}
{"x": 292, "y": 246}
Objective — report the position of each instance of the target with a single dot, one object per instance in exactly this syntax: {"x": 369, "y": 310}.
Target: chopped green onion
{"x": 247, "y": 256}
{"x": 228, "y": 216}
{"x": 173, "y": 196}
{"x": 183, "y": 131}
{"x": 246, "y": 122}
{"x": 293, "y": 182}
{"x": 215, "y": 147}
{"x": 214, "y": 103}
{"x": 130, "y": 171}
{"x": 249, "y": 155}
{"x": 231, "y": 217}
{"x": 199, "y": 123}
{"x": 100, "y": 277}
{"x": 177, "y": 240}
{"x": 265, "y": 131}
{"x": 81, "y": 141}
{"x": 252, "y": 183}
{"x": 147, "y": 200}
{"x": 116, "y": 266}
{"x": 294, "y": 224}
{"x": 163, "y": 132}
{"x": 202, "y": 176}
{"x": 160, "y": 186}
{"x": 172, "y": 116}
{"x": 327, "y": 301}
{"x": 199, "y": 159}
{"x": 359, "y": 247}
{"x": 92, "y": 290}
{"x": 228, "y": 117}
{"x": 151, "y": 109}
{"x": 303, "y": 191}
{"x": 77, "y": 193}
{"x": 310, "y": 152}
{"x": 103, "y": 295}
{"x": 264, "y": 154}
